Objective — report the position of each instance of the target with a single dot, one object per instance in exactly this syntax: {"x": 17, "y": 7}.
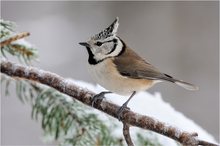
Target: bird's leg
{"x": 122, "y": 108}
{"x": 99, "y": 96}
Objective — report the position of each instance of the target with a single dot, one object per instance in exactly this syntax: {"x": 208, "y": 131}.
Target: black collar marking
{"x": 123, "y": 48}
{"x": 91, "y": 59}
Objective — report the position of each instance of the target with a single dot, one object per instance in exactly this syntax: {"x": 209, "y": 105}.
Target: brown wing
{"x": 132, "y": 65}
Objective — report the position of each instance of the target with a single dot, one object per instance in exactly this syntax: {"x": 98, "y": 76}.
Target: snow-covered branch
{"x": 85, "y": 96}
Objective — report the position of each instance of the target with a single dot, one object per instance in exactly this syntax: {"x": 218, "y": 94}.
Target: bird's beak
{"x": 84, "y": 44}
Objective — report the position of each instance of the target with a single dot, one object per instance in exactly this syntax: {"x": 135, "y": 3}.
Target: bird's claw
{"x": 97, "y": 97}
{"x": 120, "y": 111}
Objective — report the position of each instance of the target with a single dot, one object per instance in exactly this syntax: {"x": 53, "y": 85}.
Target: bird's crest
{"x": 108, "y": 32}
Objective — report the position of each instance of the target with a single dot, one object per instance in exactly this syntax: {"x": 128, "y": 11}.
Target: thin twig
{"x": 14, "y": 38}
{"x": 126, "y": 133}
{"x": 85, "y": 96}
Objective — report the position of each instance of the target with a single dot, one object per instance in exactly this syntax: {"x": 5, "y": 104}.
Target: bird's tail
{"x": 181, "y": 83}
{"x": 186, "y": 85}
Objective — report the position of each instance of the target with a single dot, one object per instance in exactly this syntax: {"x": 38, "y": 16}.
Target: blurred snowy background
{"x": 179, "y": 38}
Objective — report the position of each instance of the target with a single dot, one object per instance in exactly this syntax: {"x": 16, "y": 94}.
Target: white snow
{"x": 23, "y": 42}
{"x": 150, "y": 105}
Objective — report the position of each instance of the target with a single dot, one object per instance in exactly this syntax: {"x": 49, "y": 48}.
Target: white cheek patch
{"x": 117, "y": 49}
{"x": 99, "y": 56}
{"x": 102, "y": 53}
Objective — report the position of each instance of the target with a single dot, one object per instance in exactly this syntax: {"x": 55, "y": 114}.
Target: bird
{"x": 119, "y": 69}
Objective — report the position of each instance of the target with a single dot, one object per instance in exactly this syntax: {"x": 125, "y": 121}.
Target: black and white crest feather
{"x": 108, "y": 32}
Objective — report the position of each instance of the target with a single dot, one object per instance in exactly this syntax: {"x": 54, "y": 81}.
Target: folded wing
{"x": 131, "y": 65}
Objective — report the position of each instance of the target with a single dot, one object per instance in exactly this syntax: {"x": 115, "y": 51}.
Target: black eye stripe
{"x": 100, "y": 43}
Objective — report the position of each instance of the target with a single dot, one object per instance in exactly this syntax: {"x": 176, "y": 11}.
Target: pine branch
{"x": 66, "y": 121}
{"x": 14, "y": 38}
{"x": 12, "y": 44}
{"x": 85, "y": 96}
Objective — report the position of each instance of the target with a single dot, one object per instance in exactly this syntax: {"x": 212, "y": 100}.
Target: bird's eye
{"x": 98, "y": 43}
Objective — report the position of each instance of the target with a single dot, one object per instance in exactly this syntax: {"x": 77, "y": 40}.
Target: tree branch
{"x": 126, "y": 134}
{"x": 14, "y": 38}
{"x": 85, "y": 96}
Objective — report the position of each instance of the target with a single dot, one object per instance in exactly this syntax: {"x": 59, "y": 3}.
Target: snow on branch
{"x": 14, "y": 38}
{"x": 129, "y": 118}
